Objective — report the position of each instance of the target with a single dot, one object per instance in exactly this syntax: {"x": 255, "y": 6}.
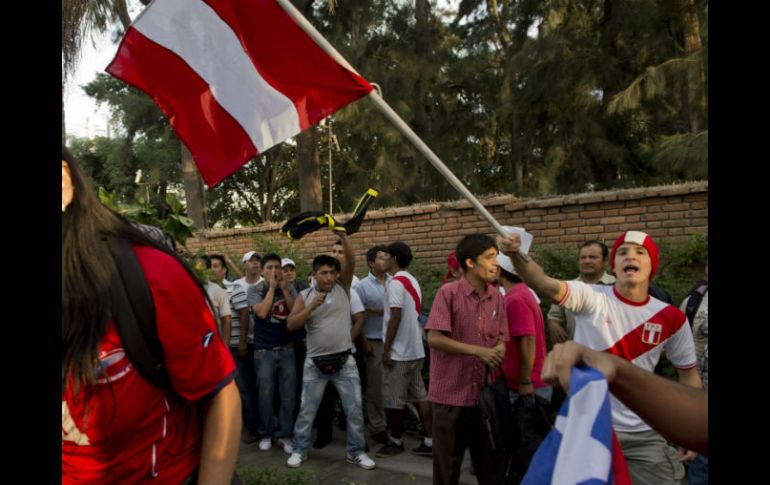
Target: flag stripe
{"x": 188, "y": 103}
{"x": 234, "y": 77}
{"x": 319, "y": 87}
{"x": 190, "y": 29}
{"x": 632, "y": 346}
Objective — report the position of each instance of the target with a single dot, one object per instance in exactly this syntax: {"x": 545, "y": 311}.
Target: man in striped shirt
{"x": 467, "y": 331}
{"x": 241, "y": 343}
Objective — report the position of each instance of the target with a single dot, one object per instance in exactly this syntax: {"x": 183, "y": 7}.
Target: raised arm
{"x": 530, "y": 272}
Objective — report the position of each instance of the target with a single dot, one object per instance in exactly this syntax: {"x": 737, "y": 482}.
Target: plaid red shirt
{"x": 457, "y": 310}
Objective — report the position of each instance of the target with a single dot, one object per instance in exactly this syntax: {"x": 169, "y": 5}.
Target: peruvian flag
{"x": 582, "y": 447}
{"x": 234, "y": 77}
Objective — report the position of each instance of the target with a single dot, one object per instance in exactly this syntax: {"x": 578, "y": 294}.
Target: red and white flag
{"x": 234, "y": 77}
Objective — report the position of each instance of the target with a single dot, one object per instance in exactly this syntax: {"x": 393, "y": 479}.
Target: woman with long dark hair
{"x": 117, "y": 427}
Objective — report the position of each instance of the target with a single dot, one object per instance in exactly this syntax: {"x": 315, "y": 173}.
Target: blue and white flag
{"x": 582, "y": 448}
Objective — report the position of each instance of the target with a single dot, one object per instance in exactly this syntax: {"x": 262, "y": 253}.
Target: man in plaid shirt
{"x": 467, "y": 331}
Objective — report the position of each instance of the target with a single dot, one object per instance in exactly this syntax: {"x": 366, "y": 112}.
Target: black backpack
{"x": 695, "y": 297}
{"x": 133, "y": 312}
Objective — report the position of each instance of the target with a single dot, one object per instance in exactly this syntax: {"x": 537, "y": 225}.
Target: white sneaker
{"x": 361, "y": 460}
{"x": 286, "y": 443}
{"x": 295, "y": 460}
{"x": 265, "y": 444}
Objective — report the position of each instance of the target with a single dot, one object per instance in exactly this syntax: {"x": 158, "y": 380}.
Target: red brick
{"x": 612, "y": 220}
{"x": 675, "y": 231}
{"x": 631, "y": 210}
{"x": 699, "y": 204}
{"x": 677, "y": 223}
{"x": 553, "y": 232}
{"x": 572, "y": 223}
{"x": 676, "y": 207}
{"x": 536, "y": 226}
{"x": 655, "y": 217}
{"x": 590, "y": 229}
{"x": 534, "y": 212}
{"x": 653, "y": 201}
{"x": 555, "y": 217}
{"x": 588, "y": 214}
{"x": 614, "y": 205}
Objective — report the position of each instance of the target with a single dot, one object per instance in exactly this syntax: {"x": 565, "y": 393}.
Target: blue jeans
{"x": 245, "y": 379}
{"x": 269, "y": 363}
{"x": 348, "y": 384}
{"x": 698, "y": 471}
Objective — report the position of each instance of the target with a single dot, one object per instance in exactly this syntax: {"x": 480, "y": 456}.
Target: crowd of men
{"x": 368, "y": 338}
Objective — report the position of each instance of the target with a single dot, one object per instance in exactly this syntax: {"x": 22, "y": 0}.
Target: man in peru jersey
{"x": 624, "y": 320}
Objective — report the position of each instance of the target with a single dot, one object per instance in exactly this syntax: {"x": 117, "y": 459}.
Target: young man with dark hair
{"x": 325, "y": 313}
{"x": 403, "y": 353}
{"x": 467, "y": 331}
{"x": 372, "y": 292}
{"x": 625, "y": 321}
{"x": 217, "y": 267}
{"x": 271, "y": 301}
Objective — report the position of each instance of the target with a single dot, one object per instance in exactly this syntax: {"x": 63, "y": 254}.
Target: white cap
{"x": 287, "y": 262}
{"x": 506, "y": 263}
{"x": 250, "y": 255}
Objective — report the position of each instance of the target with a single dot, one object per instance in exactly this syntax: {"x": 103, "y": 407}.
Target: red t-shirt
{"x": 524, "y": 318}
{"x": 135, "y": 432}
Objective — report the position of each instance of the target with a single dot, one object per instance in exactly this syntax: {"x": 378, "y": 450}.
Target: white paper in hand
{"x": 526, "y": 238}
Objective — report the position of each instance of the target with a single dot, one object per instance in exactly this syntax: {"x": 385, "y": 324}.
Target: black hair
{"x": 471, "y": 247}
{"x": 325, "y": 260}
{"x": 371, "y": 254}
{"x": 401, "y": 252}
{"x": 271, "y": 257}
{"x": 605, "y": 250}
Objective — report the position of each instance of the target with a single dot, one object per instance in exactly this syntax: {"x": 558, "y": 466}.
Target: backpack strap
{"x": 693, "y": 302}
{"x": 133, "y": 312}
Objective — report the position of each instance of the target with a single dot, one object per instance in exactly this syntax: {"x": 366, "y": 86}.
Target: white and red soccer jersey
{"x": 135, "y": 432}
{"x": 638, "y": 332}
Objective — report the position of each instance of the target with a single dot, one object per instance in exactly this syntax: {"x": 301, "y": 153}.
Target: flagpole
{"x": 394, "y": 118}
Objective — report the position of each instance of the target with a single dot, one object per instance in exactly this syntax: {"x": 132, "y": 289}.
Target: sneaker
{"x": 247, "y": 437}
{"x": 423, "y": 450}
{"x": 381, "y": 437}
{"x": 286, "y": 444}
{"x": 265, "y": 444}
{"x": 361, "y": 460}
{"x": 295, "y": 460}
{"x": 390, "y": 449}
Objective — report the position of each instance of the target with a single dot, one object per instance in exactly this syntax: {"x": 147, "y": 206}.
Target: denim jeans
{"x": 348, "y": 384}
{"x": 698, "y": 471}
{"x": 246, "y": 379}
{"x": 268, "y": 364}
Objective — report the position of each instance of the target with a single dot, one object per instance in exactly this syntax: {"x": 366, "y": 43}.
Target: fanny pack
{"x": 332, "y": 363}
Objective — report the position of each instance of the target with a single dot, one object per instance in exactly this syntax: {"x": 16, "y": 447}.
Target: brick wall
{"x": 668, "y": 213}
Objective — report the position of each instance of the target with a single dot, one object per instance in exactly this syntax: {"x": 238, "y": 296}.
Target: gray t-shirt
{"x": 328, "y": 327}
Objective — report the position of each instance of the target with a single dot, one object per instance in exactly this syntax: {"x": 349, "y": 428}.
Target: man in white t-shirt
{"x": 403, "y": 354}
{"x": 626, "y": 321}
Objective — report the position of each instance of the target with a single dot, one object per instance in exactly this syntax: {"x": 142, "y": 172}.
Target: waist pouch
{"x": 332, "y": 363}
